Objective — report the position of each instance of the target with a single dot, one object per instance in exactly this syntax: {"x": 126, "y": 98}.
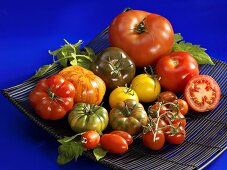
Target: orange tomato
{"x": 89, "y": 87}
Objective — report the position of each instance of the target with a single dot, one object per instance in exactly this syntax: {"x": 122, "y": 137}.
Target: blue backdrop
{"x": 28, "y": 29}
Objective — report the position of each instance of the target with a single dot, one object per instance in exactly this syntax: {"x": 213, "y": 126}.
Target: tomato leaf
{"x": 99, "y": 153}
{"x": 195, "y": 50}
{"x": 177, "y": 37}
{"x": 69, "y": 54}
{"x": 68, "y": 151}
{"x": 42, "y": 70}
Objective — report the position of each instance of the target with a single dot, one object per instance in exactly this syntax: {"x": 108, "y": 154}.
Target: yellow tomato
{"x": 146, "y": 87}
{"x": 120, "y": 94}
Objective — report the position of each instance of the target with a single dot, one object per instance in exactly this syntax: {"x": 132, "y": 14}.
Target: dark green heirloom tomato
{"x": 114, "y": 66}
{"x": 128, "y": 116}
{"x": 84, "y": 117}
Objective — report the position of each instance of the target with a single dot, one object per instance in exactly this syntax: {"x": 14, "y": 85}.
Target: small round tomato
{"x": 113, "y": 143}
{"x": 90, "y": 139}
{"x": 146, "y": 87}
{"x": 202, "y": 93}
{"x": 157, "y": 144}
{"x": 180, "y": 119}
{"x": 175, "y": 70}
{"x": 167, "y": 96}
{"x": 182, "y": 106}
{"x": 154, "y": 109}
{"x": 175, "y": 135}
{"x": 123, "y": 134}
{"x": 121, "y": 94}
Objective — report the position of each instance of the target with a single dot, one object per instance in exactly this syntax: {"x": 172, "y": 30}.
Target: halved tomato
{"x": 202, "y": 93}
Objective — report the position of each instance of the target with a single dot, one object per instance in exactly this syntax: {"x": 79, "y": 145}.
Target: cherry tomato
{"x": 123, "y": 134}
{"x": 176, "y": 70}
{"x": 177, "y": 135}
{"x": 148, "y": 140}
{"x": 52, "y": 98}
{"x": 202, "y": 93}
{"x": 90, "y": 139}
{"x": 146, "y": 87}
{"x": 154, "y": 108}
{"x": 182, "y": 106}
{"x": 121, "y": 94}
{"x": 161, "y": 124}
{"x": 167, "y": 96}
{"x": 114, "y": 143}
{"x": 180, "y": 119}
{"x": 144, "y": 36}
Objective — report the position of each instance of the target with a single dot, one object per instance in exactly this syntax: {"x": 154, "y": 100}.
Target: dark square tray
{"x": 206, "y": 132}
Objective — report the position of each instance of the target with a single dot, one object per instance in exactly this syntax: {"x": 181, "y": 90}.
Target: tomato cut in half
{"x": 202, "y": 93}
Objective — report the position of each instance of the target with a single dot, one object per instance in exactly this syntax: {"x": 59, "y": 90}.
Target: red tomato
{"x": 180, "y": 119}
{"x": 174, "y": 137}
{"x": 182, "y": 106}
{"x": 153, "y": 110}
{"x": 176, "y": 70}
{"x": 123, "y": 134}
{"x": 167, "y": 96}
{"x": 202, "y": 93}
{"x": 144, "y": 36}
{"x": 113, "y": 143}
{"x": 52, "y": 98}
{"x": 148, "y": 140}
{"x": 90, "y": 139}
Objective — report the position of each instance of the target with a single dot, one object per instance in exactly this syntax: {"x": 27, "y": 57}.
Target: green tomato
{"x": 84, "y": 117}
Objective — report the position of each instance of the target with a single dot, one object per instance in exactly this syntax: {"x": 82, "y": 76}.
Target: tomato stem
{"x": 141, "y": 28}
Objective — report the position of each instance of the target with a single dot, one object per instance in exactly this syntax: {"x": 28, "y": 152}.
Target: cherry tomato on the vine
{"x": 176, "y": 136}
{"x": 158, "y": 143}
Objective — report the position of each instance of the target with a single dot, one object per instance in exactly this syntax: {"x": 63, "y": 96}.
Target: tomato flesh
{"x": 202, "y": 93}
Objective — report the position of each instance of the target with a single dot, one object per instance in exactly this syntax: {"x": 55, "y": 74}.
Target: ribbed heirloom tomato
{"x": 89, "y": 87}
{"x": 52, "y": 98}
{"x": 144, "y": 36}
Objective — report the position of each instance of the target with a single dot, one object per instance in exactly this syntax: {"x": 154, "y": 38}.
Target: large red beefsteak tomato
{"x": 144, "y": 36}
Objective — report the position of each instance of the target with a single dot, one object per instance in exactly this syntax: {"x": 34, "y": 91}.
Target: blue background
{"x": 28, "y": 29}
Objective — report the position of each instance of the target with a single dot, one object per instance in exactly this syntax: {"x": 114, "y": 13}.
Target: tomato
{"x": 84, "y": 117}
{"x": 154, "y": 109}
{"x": 121, "y": 94}
{"x": 177, "y": 135}
{"x": 167, "y": 96}
{"x": 113, "y": 143}
{"x": 114, "y": 66}
{"x": 175, "y": 70}
{"x": 202, "y": 93}
{"x": 158, "y": 143}
{"x": 182, "y": 106}
{"x": 90, "y": 139}
{"x": 52, "y": 98}
{"x": 180, "y": 119}
{"x": 123, "y": 134}
{"x": 144, "y": 36}
{"x": 146, "y": 87}
{"x": 89, "y": 87}
{"x": 128, "y": 116}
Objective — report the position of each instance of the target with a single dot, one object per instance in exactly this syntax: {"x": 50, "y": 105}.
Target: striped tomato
{"x": 89, "y": 87}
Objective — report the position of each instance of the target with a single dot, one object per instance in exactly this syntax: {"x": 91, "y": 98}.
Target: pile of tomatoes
{"x": 138, "y": 40}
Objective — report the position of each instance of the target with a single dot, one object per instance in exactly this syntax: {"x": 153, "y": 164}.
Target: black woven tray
{"x": 206, "y": 132}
